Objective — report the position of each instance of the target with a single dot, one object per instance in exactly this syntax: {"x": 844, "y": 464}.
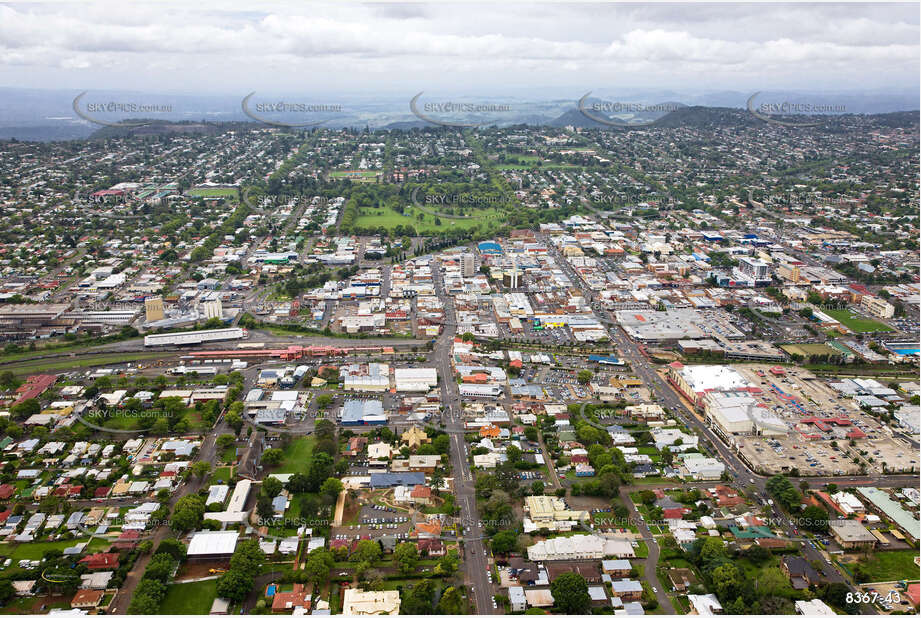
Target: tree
{"x": 317, "y": 566}
{"x": 225, "y": 440}
{"x": 324, "y": 401}
{"x": 234, "y": 585}
{"x": 420, "y": 600}
{"x": 271, "y": 486}
{"x": 815, "y": 519}
{"x": 451, "y": 603}
{"x": 407, "y": 557}
{"x": 173, "y": 547}
{"x": 366, "y": 551}
{"x": 188, "y": 513}
{"x": 331, "y": 487}
{"x": 504, "y": 542}
{"x": 537, "y": 488}
{"x": 584, "y": 376}
{"x": 200, "y": 469}
{"x": 25, "y": 409}
{"x": 570, "y": 594}
{"x": 247, "y": 557}
{"x": 160, "y": 567}
{"x": 272, "y": 457}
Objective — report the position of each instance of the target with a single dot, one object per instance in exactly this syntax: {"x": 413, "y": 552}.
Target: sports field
{"x": 857, "y": 323}
{"x": 388, "y": 218}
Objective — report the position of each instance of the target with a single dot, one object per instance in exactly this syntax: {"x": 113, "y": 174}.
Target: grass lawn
{"x": 887, "y": 566}
{"x": 641, "y": 550}
{"x": 36, "y": 551}
{"x": 63, "y": 364}
{"x": 382, "y": 216}
{"x": 192, "y": 598}
{"x": 297, "y": 456}
{"x": 221, "y": 474}
{"x": 213, "y": 192}
{"x": 856, "y": 322}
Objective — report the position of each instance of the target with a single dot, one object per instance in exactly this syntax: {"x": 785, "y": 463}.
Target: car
{"x": 654, "y": 590}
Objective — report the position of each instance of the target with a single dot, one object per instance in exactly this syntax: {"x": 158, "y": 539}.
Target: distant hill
{"x": 159, "y": 127}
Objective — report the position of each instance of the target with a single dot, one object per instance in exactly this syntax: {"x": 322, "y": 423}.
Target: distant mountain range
{"x": 48, "y": 115}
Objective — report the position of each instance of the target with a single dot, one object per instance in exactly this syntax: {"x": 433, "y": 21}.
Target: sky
{"x": 517, "y": 48}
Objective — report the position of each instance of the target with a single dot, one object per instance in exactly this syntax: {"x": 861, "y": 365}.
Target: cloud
{"x": 176, "y": 46}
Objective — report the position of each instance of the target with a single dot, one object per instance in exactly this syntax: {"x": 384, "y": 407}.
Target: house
{"x": 356, "y": 445}
{"x": 800, "y": 572}
{"x": 815, "y": 607}
{"x": 682, "y": 579}
{"x": 431, "y": 547}
{"x": 87, "y": 599}
{"x": 95, "y": 562}
{"x": 421, "y": 494}
{"x": 97, "y": 580}
{"x": 705, "y": 604}
{"x": 371, "y": 603}
{"x": 286, "y": 602}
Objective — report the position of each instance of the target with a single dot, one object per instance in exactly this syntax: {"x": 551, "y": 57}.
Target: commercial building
{"x": 695, "y": 381}
{"x": 850, "y": 534}
{"x": 550, "y": 512}
{"x": 468, "y": 265}
{"x": 579, "y": 547}
{"x": 740, "y": 413}
{"x": 884, "y": 503}
{"x": 877, "y": 307}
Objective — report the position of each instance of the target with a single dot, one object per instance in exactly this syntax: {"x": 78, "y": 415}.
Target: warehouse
{"x": 418, "y": 379}
{"x": 362, "y": 412}
{"x": 212, "y": 545}
{"x": 195, "y": 337}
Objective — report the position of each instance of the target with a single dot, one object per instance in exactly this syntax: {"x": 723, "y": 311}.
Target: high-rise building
{"x": 468, "y": 265}
{"x": 153, "y": 308}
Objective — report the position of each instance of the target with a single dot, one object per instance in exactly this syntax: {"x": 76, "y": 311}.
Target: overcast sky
{"x": 519, "y": 48}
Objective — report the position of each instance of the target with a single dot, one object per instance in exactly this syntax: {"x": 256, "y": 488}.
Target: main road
{"x": 475, "y": 563}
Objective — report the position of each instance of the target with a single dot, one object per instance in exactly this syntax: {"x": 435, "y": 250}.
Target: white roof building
{"x": 815, "y": 607}
{"x": 208, "y": 544}
{"x": 705, "y": 604}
